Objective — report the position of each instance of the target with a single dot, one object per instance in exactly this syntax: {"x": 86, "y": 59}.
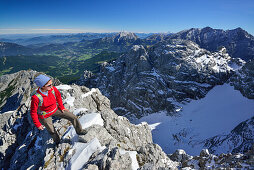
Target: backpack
{"x": 41, "y": 100}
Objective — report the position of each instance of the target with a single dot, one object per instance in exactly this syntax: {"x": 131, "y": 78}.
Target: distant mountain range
{"x": 76, "y": 44}
{"x": 53, "y": 39}
{"x": 41, "y": 40}
{"x": 73, "y": 50}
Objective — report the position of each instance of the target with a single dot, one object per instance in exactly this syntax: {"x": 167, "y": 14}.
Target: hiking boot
{"x": 83, "y": 132}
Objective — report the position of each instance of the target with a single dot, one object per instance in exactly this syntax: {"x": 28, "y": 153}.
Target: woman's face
{"x": 47, "y": 86}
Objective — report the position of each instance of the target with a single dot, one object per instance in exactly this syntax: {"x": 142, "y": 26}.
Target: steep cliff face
{"x": 155, "y": 79}
{"x": 112, "y": 142}
{"x": 238, "y": 42}
{"x": 243, "y": 80}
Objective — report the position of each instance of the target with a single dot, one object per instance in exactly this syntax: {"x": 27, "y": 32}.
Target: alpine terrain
{"x": 192, "y": 94}
{"x": 166, "y": 101}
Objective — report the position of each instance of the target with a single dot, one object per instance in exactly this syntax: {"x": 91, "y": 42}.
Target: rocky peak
{"x": 122, "y": 38}
{"x": 125, "y": 36}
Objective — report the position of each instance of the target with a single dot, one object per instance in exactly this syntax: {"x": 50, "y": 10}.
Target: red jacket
{"x": 48, "y": 105}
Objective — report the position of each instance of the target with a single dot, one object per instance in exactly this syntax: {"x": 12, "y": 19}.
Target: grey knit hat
{"x": 41, "y": 80}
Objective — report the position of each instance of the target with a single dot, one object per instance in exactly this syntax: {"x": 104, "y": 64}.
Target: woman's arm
{"x": 59, "y": 99}
{"x": 33, "y": 111}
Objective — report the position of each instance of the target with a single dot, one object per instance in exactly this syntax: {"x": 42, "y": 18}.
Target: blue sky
{"x": 58, "y": 16}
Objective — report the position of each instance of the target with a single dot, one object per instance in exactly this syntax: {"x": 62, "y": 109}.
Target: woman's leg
{"x": 71, "y": 117}
{"x": 47, "y": 122}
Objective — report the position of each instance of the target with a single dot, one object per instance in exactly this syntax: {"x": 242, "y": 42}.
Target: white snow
{"x": 153, "y": 126}
{"x": 234, "y": 66}
{"x": 193, "y": 82}
{"x": 17, "y": 126}
{"x": 120, "y": 108}
{"x": 63, "y": 87}
{"x": 110, "y": 68}
{"x": 77, "y": 111}
{"x": 134, "y": 162}
{"x": 88, "y": 93}
{"x": 161, "y": 92}
{"x": 86, "y": 121}
{"x": 91, "y": 119}
{"x": 134, "y": 104}
{"x": 69, "y": 100}
{"x": 21, "y": 146}
{"x": 136, "y": 47}
{"x": 8, "y": 112}
{"x": 219, "y": 112}
{"x": 203, "y": 59}
{"x": 83, "y": 151}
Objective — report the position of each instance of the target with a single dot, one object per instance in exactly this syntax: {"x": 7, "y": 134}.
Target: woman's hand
{"x": 41, "y": 127}
{"x": 64, "y": 110}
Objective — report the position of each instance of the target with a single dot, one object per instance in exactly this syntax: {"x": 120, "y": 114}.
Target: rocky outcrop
{"x": 155, "y": 79}
{"x": 209, "y": 161}
{"x": 112, "y": 142}
{"x": 238, "y": 42}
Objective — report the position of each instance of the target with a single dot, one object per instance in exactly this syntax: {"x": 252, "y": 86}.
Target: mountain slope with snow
{"x": 219, "y": 112}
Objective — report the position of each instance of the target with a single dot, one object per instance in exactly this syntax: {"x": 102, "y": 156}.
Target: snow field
{"x": 222, "y": 109}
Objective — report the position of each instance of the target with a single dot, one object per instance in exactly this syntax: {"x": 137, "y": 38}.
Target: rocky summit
{"x": 111, "y": 141}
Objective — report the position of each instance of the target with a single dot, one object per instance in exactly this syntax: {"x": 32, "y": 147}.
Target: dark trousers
{"x": 47, "y": 122}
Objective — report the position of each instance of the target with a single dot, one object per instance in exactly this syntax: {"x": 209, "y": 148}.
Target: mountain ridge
{"x": 238, "y": 42}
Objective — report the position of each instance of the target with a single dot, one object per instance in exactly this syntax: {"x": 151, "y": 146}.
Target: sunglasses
{"x": 49, "y": 85}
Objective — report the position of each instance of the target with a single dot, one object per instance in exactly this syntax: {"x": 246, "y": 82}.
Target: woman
{"x": 44, "y": 105}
